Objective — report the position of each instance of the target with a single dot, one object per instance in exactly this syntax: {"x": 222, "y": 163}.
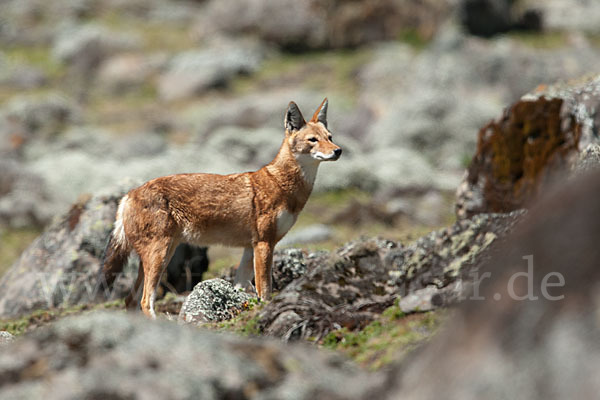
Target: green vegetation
{"x": 332, "y": 71}
{"x": 18, "y": 326}
{"x": 541, "y": 40}
{"x": 387, "y": 339}
{"x": 414, "y": 39}
{"x": 245, "y": 324}
{"x": 37, "y": 56}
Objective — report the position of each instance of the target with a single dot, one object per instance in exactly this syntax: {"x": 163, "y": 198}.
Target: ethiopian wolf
{"x": 252, "y": 210}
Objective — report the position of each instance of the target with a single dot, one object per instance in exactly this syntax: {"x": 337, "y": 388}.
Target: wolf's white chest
{"x": 285, "y": 221}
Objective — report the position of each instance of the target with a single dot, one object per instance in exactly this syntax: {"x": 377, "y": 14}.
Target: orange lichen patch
{"x": 516, "y": 153}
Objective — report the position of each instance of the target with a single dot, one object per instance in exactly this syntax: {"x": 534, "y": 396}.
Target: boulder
{"x": 121, "y": 356}
{"x": 87, "y": 45}
{"x": 311, "y": 234}
{"x": 61, "y": 267}
{"x": 349, "y": 287}
{"x": 26, "y": 117}
{"x": 213, "y": 300}
{"x": 194, "y": 71}
{"x": 20, "y": 76}
{"x": 533, "y": 321}
{"x": 589, "y": 159}
{"x": 433, "y": 101}
{"x": 24, "y": 197}
{"x": 298, "y": 26}
{"x": 127, "y": 72}
{"x": 574, "y": 16}
{"x": 534, "y": 141}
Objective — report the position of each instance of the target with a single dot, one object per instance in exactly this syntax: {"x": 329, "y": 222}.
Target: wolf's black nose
{"x": 337, "y": 152}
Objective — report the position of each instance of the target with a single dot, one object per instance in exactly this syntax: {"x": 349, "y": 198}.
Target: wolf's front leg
{"x": 263, "y": 262}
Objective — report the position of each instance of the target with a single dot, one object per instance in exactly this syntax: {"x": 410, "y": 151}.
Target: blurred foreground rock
{"x": 536, "y": 333}
{"x": 534, "y": 143}
{"x": 117, "y": 355}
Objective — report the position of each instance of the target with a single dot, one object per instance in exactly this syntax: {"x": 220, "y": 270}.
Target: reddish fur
{"x": 239, "y": 210}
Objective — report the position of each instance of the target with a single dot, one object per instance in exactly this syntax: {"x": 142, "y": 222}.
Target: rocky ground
{"x": 457, "y": 117}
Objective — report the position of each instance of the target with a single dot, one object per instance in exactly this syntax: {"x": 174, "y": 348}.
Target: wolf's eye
{"x": 330, "y": 137}
{"x": 313, "y": 139}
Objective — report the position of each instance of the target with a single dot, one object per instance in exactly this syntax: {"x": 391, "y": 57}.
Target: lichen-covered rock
{"x": 61, "y": 266}
{"x": 589, "y": 159}
{"x": 26, "y": 117}
{"x": 536, "y": 138}
{"x": 213, "y": 300}
{"x": 24, "y": 198}
{"x": 5, "y": 337}
{"x": 120, "y": 356}
{"x": 343, "y": 289}
{"x": 349, "y": 287}
{"x": 532, "y": 331}
{"x": 290, "y": 264}
{"x": 301, "y": 25}
{"x": 193, "y": 71}
{"x": 447, "y": 255}
{"x": 89, "y": 44}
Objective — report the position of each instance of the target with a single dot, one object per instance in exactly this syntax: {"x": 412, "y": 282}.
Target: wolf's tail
{"x": 117, "y": 250}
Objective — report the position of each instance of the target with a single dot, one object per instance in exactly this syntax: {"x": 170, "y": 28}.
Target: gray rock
{"x": 213, "y": 300}
{"x": 20, "y": 76}
{"x": 126, "y": 72}
{"x": 312, "y": 24}
{"x": 434, "y": 101}
{"x": 6, "y": 337}
{"x": 450, "y": 254}
{"x": 246, "y": 148}
{"x": 532, "y": 145}
{"x": 42, "y": 116}
{"x": 24, "y": 197}
{"x": 543, "y": 342}
{"x": 87, "y": 45}
{"x": 287, "y": 22}
{"x": 123, "y": 356}
{"x": 589, "y": 159}
{"x": 420, "y": 300}
{"x": 61, "y": 266}
{"x": 194, "y": 71}
{"x": 311, "y": 234}
{"x": 575, "y": 16}
{"x": 290, "y": 264}
{"x": 350, "y": 287}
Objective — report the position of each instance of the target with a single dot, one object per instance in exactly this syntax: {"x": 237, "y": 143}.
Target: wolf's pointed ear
{"x": 321, "y": 114}
{"x": 293, "y": 121}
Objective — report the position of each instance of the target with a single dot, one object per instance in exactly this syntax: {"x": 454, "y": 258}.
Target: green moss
{"x": 327, "y": 71}
{"x": 541, "y": 40}
{"x": 414, "y": 39}
{"x": 18, "y": 326}
{"x": 37, "y": 56}
{"x": 387, "y": 339}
